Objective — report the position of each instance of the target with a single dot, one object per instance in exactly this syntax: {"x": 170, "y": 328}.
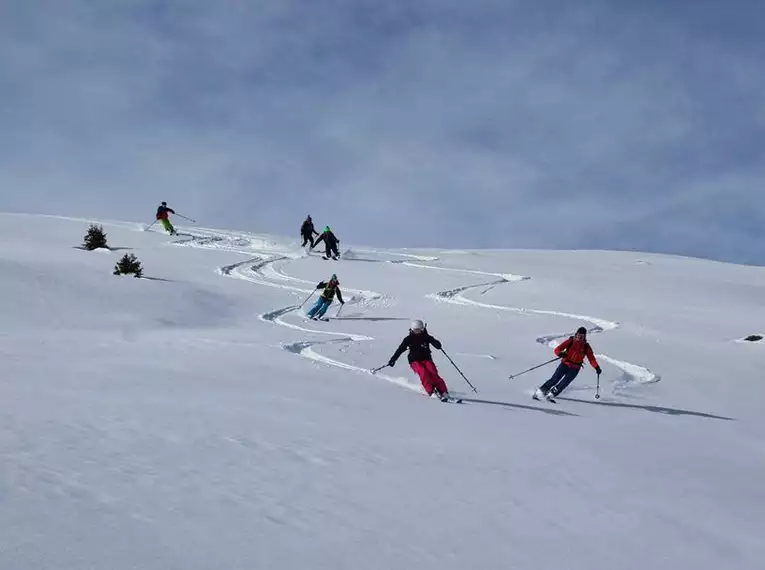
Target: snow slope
{"x": 197, "y": 420}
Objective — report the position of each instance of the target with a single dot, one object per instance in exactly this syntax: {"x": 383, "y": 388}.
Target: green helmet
{"x": 326, "y": 229}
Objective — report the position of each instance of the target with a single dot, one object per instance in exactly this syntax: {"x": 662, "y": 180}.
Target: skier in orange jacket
{"x": 572, "y": 352}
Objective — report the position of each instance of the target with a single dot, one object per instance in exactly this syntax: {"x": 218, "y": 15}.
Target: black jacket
{"x": 307, "y": 229}
{"x": 328, "y": 238}
{"x": 162, "y": 212}
{"x": 419, "y": 347}
{"x": 329, "y": 292}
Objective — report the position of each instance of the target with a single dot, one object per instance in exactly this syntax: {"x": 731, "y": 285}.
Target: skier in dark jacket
{"x": 330, "y": 243}
{"x": 418, "y": 343}
{"x": 163, "y": 216}
{"x": 572, "y": 352}
{"x": 327, "y": 296}
{"x": 307, "y": 231}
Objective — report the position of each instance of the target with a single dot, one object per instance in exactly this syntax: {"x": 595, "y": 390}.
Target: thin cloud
{"x": 454, "y": 124}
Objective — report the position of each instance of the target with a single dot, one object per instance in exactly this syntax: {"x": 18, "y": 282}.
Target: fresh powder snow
{"x": 196, "y": 419}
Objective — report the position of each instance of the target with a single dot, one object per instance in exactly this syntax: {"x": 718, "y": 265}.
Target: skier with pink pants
{"x": 418, "y": 342}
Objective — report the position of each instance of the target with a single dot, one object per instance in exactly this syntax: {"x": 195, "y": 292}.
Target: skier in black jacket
{"x": 330, "y": 243}
{"x": 418, "y": 342}
{"x": 307, "y": 231}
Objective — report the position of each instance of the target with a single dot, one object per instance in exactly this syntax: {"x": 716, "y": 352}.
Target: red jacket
{"x": 575, "y": 353}
{"x": 162, "y": 212}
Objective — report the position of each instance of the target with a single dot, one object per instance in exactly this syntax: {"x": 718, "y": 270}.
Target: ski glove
{"x": 437, "y": 344}
{"x": 598, "y": 370}
{"x": 391, "y": 363}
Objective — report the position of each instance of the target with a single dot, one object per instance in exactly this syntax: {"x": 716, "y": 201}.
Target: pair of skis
{"x": 447, "y": 400}
{"x": 547, "y": 397}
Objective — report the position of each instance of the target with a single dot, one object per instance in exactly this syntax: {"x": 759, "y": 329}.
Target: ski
{"x": 548, "y": 398}
{"x": 448, "y": 400}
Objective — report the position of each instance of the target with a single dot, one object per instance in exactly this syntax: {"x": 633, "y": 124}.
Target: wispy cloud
{"x": 449, "y": 123}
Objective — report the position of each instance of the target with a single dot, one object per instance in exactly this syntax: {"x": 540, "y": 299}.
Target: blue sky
{"x": 489, "y": 123}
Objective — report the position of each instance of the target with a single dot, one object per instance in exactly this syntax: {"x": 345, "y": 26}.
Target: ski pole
{"x": 306, "y": 299}
{"x": 534, "y": 368}
{"x": 375, "y": 370}
{"x": 597, "y": 390}
{"x": 149, "y": 226}
{"x": 340, "y": 309}
{"x": 185, "y": 218}
{"x": 460, "y": 371}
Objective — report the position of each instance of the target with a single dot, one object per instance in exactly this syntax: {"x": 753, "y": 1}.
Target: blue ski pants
{"x": 561, "y": 378}
{"x": 319, "y": 308}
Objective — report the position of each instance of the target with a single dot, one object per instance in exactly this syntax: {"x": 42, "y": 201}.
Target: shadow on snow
{"x": 375, "y": 319}
{"x": 550, "y": 411}
{"x": 110, "y": 248}
{"x": 158, "y": 279}
{"x": 655, "y": 409}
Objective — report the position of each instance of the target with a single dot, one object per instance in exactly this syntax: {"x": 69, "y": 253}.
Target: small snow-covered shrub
{"x": 128, "y": 265}
{"x": 95, "y": 238}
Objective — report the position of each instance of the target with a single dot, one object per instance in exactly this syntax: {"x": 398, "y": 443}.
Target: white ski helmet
{"x": 417, "y": 325}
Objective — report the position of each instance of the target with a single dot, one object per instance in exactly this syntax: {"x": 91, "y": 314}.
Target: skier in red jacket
{"x": 572, "y": 352}
{"x": 163, "y": 215}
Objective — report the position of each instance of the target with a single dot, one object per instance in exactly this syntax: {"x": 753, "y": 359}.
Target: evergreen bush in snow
{"x": 128, "y": 265}
{"x": 95, "y": 238}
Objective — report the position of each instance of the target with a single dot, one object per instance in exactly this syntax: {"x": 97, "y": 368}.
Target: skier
{"x": 330, "y": 242}
{"x": 572, "y": 352}
{"x": 326, "y": 297}
{"x": 307, "y": 231}
{"x": 164, "y": 218}
{"x": 418, "y": 342}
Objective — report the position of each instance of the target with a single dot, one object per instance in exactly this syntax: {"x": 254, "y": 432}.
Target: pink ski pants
{"x": 428, "y": 373}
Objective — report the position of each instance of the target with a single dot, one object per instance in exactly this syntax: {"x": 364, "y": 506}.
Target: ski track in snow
{"x": 264, "y": 268}
{"x": 632, "y": 374}
{"x": 276, "y": 317}
{"x": 399, "y": 254}
{"x": 251, "y": 270}
{"x": 503, "y": 277}
{"x": 305, "y": 349}
{"x": 455, "y": 296}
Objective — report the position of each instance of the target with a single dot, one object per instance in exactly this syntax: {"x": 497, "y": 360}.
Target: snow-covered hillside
{"x": 196, "y": 420}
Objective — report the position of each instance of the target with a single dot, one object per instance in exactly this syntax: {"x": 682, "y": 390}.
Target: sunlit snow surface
{"x": 197, "y": 419}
